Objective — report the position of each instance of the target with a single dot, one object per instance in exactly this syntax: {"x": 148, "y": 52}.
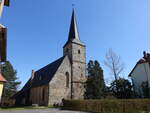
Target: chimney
{"x": 32, "y": 74}
{"x": 145, "y": 54}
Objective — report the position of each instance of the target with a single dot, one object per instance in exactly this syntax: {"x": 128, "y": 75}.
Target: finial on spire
{"x": 73, "y": 6}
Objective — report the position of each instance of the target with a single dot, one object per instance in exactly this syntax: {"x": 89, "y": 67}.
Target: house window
{"x": 79, "y": 52}
{"x": 67, "y": 79}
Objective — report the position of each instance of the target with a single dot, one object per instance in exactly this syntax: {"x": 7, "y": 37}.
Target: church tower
{"x": 75, "y": 50}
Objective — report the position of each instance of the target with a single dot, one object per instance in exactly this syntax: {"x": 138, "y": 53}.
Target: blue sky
{"x": 38, "y": 29}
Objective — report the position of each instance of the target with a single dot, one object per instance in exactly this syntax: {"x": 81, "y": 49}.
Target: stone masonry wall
{"x": 57, "y": 86}
{"x": 79, "y": 70}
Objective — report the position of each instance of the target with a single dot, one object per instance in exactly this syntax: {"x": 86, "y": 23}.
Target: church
{"x": 62, "y": 79}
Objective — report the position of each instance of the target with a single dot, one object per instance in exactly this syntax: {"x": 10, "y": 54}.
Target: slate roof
{"x": 42, "y": 76}
{"x": 45, "y": 74}
{"x": 73, "y": 31}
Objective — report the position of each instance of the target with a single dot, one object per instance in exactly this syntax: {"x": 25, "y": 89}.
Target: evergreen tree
{"x": 95, "y": 82}
{"x": 12, "y": 84}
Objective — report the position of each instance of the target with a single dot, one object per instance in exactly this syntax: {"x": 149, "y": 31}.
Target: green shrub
{"x": 109, "y": 106}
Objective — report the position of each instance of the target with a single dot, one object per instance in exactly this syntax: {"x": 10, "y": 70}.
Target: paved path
{"x": 39, "y": 111}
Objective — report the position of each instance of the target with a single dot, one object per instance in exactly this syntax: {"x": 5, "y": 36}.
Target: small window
{"x": 67, "y": 79}
{"x": 79, "y": 52}
{"x": 41, "y": 77}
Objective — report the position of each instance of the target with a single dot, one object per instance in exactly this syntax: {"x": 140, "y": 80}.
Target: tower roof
{"x": 73, "y": 31}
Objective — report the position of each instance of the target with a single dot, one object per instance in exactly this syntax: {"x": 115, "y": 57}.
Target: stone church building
{"x": 61, "y": 79}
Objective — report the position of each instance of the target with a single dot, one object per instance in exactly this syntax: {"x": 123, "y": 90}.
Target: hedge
{"x": 109, "y": 106}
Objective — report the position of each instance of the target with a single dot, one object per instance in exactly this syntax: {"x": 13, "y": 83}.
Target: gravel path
{"x": 39, "y": 111}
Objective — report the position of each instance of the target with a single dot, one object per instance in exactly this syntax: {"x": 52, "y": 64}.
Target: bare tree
{"x": 114, "y": 63}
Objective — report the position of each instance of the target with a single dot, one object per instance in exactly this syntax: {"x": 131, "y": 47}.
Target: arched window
{"x": 67, "y": 79}
{"x": 79, "y": 51}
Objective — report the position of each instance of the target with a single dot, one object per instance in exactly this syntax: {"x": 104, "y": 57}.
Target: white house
{"x": 141, "y": 73}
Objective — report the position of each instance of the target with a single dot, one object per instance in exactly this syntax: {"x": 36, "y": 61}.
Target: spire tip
{"x": 73, "y": 6}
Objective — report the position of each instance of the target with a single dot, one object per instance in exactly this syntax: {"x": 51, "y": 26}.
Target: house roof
{"x": 145, "y": 59}
{"x": 2, "y": 79}
{"x": 42, "y": 76}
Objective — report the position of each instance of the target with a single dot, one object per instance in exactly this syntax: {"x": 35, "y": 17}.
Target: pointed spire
{"x": 73, "y": 33}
